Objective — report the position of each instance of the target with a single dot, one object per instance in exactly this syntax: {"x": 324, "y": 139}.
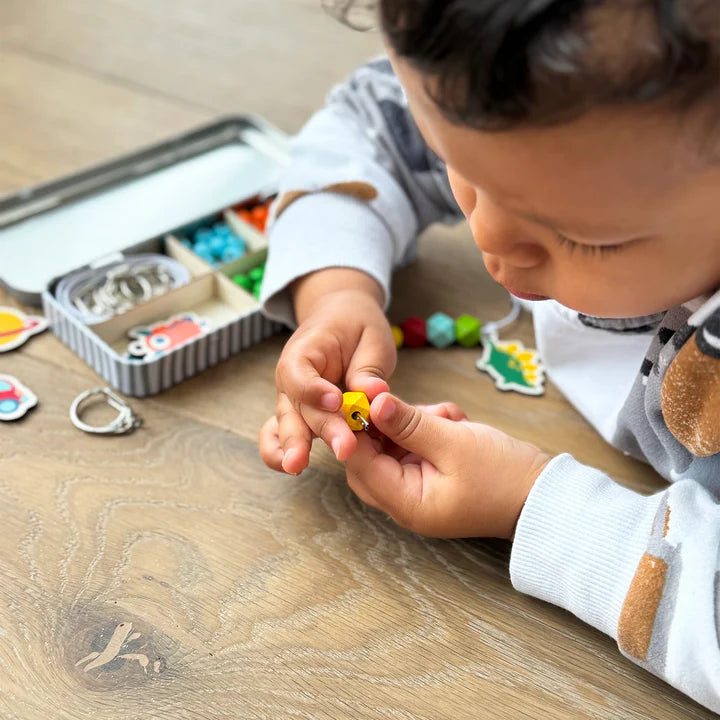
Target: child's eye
{"x": 601, "y": 250}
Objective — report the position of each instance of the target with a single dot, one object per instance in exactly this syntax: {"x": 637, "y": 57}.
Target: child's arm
{"x": 362, "y": 184}
{"x": 641, "y": 569}
{"x": 644, "y": 570}
{"x": 364, "y": 143}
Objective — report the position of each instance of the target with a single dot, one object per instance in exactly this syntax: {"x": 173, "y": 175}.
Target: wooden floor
{"x": 232, "y": 591}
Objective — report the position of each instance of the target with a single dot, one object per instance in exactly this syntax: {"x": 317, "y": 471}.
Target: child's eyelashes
{"x": 601, "y": 250}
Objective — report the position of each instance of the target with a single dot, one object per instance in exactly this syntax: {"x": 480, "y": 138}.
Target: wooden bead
{"x": 354, "y": 404}
{"x": 415, "y": 332}
{"x": 398, "y": 336}
{"x": 440, "y": 330}
{"x": 467, "y": 331}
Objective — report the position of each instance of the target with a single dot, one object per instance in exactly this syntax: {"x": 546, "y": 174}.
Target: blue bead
{"x": 217, "y": 245}
{"x": 203, "y": 235}
{"x": 237, "y": 243}
{"x": 440, "y": 330}
{"x": 203, "y": 251}
{"x": 222, "y": 228}
{"x": 231, "y": 253}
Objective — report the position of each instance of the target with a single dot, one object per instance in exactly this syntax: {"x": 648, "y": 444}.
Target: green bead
{"x": 256, "y": 274}
{"x": 467, "y": 331}
{"x": 243, "y": 281}
{"x": 256, "y": 290}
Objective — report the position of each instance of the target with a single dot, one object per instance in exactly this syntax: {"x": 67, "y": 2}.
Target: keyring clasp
{"x": 125, "y": 422}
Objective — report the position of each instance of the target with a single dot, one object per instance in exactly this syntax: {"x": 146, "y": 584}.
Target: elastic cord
{"x": 491, "y": 329}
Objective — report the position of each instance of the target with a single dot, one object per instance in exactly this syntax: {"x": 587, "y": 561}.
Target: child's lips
{"x": 526, "y": 296}
{"x": 495, "y": 274}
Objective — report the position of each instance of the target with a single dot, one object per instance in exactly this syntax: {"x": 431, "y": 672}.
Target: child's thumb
{"x": 411, "y": 428}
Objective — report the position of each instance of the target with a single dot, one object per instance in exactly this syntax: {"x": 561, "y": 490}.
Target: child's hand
{"x": 345, "y": 338}
{"x": 436, "y": 474}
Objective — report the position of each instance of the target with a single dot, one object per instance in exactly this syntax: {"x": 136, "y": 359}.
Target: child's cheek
{"x": 464, "y": 193}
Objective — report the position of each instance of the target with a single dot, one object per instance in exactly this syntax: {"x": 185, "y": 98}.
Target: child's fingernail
{"x": 330, "y": 402}
{"x": 335, "y": 445}
{"x": 287, "y": 456}
{"x": 386, "y": 410}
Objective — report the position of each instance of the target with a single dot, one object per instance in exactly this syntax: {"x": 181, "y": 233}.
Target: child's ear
{"x": 690, "y": 394}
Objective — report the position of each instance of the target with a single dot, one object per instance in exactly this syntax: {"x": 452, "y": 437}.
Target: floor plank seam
{"x": 116, "y": 80}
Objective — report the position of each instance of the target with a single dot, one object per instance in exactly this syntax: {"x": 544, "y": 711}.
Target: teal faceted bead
{"x": 440, "y": 330}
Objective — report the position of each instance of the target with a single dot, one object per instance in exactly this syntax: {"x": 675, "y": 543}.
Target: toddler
{"x": 580, "y": 139}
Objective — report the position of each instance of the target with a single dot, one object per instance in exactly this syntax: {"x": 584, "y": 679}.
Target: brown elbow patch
{"x": 286, "y": 200}
{"x": 365, "y": 192}
{"x": 637, "y": 617}
{"x": 359, "y": 190}
{"x": 690, "y": 400}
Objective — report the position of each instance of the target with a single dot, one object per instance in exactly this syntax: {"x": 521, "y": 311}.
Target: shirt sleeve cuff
{"x": 579, "y": 540}
{"x": 321, "y": 231}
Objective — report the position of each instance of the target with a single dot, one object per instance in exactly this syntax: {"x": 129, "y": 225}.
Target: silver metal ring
{"x": 125, "y": 422}
{"x": 359, "y": 418}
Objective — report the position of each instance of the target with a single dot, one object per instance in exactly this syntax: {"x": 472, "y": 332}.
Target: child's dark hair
{"x": 501, "y": 63}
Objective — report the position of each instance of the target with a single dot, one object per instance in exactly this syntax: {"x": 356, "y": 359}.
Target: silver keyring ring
{"x": 125, "y": 422}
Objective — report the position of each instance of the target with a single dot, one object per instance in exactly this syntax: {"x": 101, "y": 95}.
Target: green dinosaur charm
{"x": 512, "y": 366}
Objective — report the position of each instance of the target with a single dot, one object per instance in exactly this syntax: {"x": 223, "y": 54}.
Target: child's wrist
{"x": 536, "y": 469}
{"x": 314, "y": 288}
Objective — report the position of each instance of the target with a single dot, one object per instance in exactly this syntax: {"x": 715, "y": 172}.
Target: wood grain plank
{"x": 232, "y": 591}
{"x": 54, "y": 120}
{"x": 259, "y": 595}
{"x": 276, "y": 59}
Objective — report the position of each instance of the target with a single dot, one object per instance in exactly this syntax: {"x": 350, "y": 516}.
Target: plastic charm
{"x": 512, "y": 366}
{"x": 15, "y": 398}
{"x": 356, "y": 409}
{"x": 165, "y": 336}
{"x": 16, "y": 327}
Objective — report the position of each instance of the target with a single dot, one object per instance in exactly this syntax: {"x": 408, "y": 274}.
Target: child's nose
{"x": 497, "y": 232}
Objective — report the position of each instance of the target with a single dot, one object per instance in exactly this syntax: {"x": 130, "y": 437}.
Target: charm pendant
{"x": 15, "y": 398}
{"x": 163, "y": 337}
{"x": 512, "y": 366}
{"x": 16, "y": 327}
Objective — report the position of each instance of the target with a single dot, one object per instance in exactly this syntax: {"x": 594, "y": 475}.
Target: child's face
{"x": 616, "y": 214}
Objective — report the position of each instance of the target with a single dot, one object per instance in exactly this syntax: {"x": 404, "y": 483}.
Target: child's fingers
{"x": 434, "y": 438}
{"x": 269, "y": 444}
{"x": 448, "y": 410}
{"x": 333, "y": 429}
{"x": 372, "y": 363}
{"x": 294, "y": 437}
{"x": 358, "y": 487}
{"x": 389, "y": 486}
{"x": 298, "y": 375}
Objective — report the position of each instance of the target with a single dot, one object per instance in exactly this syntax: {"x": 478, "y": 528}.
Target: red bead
{"x": 415, "y": 332}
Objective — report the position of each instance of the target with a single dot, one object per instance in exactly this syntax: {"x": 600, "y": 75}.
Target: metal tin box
{"x": 137, "y": 204}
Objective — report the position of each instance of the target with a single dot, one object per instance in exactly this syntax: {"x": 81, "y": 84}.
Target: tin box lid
{"x": 51, "y": 229}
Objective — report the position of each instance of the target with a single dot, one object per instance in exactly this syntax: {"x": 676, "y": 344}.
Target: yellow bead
{"x": 398, "y": 335}
{"x": 356, "y": 402}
